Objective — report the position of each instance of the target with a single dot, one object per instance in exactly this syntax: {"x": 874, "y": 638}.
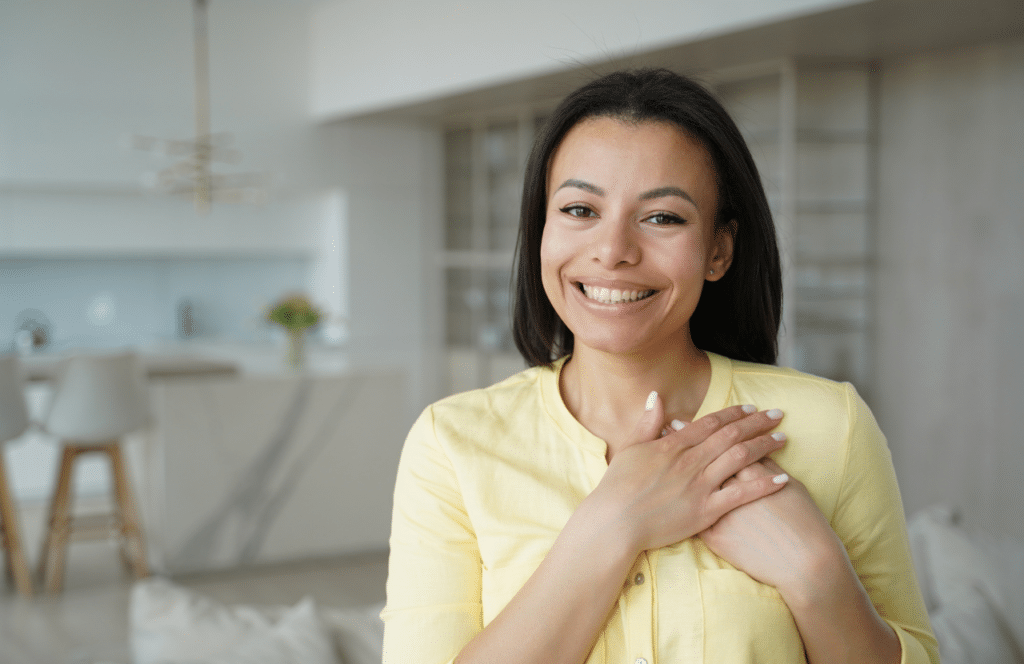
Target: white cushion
{"x": 949, "y": 562}
{"x": 973, "y": 586}
{"x": 297, "y": 638}
{"x": 172, "y": 625}
{"x": 358, "y": 633}
{"x": 974, "y": 632}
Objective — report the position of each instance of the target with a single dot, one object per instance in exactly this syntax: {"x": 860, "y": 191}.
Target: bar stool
{"x": 98, "y": 399}
{"x": 13, "y": 422}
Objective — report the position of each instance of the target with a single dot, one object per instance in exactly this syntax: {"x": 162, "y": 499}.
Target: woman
{"x": 651, "y": 489}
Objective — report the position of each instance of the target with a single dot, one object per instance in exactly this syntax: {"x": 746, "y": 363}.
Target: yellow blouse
{"x": 489, "y": 478}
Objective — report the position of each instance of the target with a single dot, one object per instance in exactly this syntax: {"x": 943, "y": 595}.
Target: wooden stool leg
{"x": 16, "y": 564}
{"x": 55, "y": 542}
{"x": 126, "y": 523}
{"x": 128, "y": 520}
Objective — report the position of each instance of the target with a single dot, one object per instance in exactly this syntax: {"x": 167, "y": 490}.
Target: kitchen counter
{"x": 248, "y": 461}
{"x": 45, "y": 367}
{"x": 172, "y": 359}
{"x": 261, "y": 468}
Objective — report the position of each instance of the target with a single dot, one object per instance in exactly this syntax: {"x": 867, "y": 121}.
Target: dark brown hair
{"x": 737, "y": 316}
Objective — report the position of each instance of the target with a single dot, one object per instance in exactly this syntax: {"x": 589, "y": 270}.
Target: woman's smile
{"x": 614, "y": 295}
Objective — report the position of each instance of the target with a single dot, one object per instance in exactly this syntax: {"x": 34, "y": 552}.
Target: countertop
{"x": 168, "y": 360}
{"x": 45, "y": 367}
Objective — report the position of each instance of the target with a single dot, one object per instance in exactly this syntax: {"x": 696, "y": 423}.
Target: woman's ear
{"x": 721, "y": 250}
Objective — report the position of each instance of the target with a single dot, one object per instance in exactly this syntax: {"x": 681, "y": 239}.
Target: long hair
{"x": 737, "y": 316}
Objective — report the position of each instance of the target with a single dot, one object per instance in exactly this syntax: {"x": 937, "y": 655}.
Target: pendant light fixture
{"x": 192, "y": 176}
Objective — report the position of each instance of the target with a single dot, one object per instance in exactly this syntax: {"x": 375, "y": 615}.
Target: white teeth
{"x": 613, "y": 296}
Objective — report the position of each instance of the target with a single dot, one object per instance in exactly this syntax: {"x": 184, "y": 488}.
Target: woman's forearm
{"x": 837, "y": 621}
{"x": 557, "y": 615}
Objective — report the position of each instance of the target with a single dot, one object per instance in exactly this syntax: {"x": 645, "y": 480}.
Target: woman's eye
{"x": 580, "y": 211}
{"x": 665, "y": 219}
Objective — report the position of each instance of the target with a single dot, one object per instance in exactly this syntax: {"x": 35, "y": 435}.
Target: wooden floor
{"x": 88, "y": 622}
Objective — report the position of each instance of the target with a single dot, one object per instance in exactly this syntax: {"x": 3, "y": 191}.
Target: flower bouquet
{"x": 296, "y": 314}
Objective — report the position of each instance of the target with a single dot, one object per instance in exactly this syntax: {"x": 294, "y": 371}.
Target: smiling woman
{"x": 631, "y": 497}
{"x": 632, "y": 211}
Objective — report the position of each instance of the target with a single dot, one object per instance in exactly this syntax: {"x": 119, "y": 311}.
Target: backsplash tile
{"x": 113, "y": 302}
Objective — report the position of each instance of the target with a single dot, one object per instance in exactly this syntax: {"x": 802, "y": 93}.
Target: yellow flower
{"x": 294, "y": 312}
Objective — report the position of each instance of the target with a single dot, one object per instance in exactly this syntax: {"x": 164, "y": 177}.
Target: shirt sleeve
{"x": 434, "y": 575}
{"x": 869, "y": 519}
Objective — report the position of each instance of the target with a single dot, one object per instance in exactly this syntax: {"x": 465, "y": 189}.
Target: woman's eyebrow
{"x": 580, "y": 184}
{"x": 662, "y": 192}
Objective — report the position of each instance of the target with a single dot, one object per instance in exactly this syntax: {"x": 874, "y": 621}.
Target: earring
{"x": 711, "y": 271}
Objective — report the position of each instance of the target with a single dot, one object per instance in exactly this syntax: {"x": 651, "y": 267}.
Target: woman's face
{"x": 629, "y": 235}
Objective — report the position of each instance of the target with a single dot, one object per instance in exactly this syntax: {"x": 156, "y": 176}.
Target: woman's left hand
{"x": 782, "y": 540}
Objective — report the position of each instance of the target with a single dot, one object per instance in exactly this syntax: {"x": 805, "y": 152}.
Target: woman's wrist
{"x": 825, "y": 576}
{"x": 835, "y": 616}
{"x": 608, "y": 527}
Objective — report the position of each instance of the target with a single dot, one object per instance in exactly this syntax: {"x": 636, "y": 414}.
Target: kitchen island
{"x": 262, "y": 468}
{"x": 249, "y": 462}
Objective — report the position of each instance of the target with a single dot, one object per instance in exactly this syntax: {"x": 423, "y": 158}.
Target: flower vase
{"x": 297, "y": 348}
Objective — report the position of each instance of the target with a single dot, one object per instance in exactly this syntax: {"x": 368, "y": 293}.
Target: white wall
{"x": 391, "y": 176}
{"x": 951, "y": 279}
{"x": 369, "y": 55}
{"x": 80, "y": 76}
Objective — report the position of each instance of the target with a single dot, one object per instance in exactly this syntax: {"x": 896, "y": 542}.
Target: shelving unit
{"x": 485, "y": 160}
{"x": 812, "y": 129}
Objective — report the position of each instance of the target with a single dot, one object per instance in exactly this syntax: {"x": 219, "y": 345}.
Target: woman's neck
{"x": 606, "y": 393}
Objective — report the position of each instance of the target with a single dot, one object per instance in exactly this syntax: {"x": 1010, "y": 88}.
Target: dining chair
{"x": 97, "y": 400}
{"x": 13, "y": 422}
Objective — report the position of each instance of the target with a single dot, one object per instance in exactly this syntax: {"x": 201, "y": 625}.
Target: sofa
{"x": 973, "y": 586}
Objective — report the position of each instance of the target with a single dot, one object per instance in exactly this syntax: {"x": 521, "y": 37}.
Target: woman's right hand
{"x": 663, "y": 489}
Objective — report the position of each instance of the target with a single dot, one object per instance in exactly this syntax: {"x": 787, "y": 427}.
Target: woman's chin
{"x": 626, "y": 346}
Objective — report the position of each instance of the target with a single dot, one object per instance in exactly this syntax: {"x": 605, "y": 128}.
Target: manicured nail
{"x": 652, "y": 399}
{"x": 748, "y": 409}
{"x": 779, "y": 436}
{"x": 774, "y": 414}
{"x": 780, "y": 479}
{"x": 677, "y": 425}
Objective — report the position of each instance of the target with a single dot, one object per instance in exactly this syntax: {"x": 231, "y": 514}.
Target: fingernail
{"x": 779, "y": 436}
{"x": 664, "y": 432}
{"x": 748, "y": 409}
{"x": 677, "y": 425}
{"x": 652, "y": 399}
{"x": 774, "y": 414}
{"x": 780, "y": 479}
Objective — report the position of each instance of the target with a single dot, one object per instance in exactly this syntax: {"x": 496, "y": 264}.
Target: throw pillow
{"x": 297, "y": 638}
{"x": 973, "y": 631}
{"x": 173, "y": 625}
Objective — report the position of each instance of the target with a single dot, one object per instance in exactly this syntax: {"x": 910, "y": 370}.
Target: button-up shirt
{"x": 489, "y": 478}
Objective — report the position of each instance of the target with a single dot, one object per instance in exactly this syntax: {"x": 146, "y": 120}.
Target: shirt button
{"x": 640, "y": 660}
{"x": 638, "y": 580}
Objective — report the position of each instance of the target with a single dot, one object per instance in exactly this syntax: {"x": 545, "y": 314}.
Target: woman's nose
{"x": 614, "y": 244}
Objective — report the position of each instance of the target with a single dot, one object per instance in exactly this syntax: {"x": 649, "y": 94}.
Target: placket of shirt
{"x": 637, "y": 606}
{"x": 637, "y": 601}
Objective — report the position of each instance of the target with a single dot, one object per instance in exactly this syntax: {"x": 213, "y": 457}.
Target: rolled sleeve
{"x": 869, "y": 519}
{"x": 434, "y": 575}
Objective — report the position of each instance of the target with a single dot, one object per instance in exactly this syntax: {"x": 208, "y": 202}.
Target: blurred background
{"x": 382, "y": 145}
